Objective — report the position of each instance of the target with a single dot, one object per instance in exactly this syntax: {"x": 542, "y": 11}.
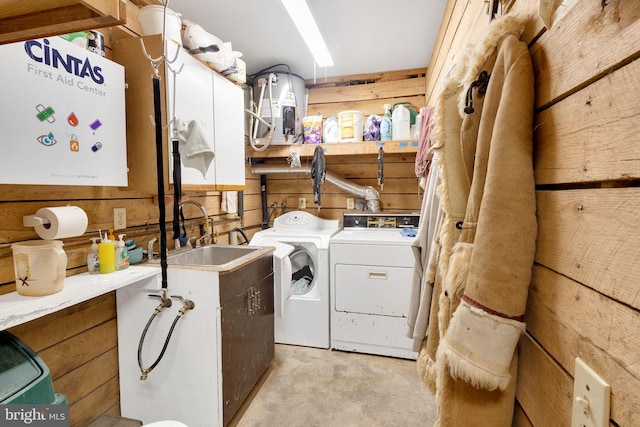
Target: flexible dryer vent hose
{"x": 364, "y": 192}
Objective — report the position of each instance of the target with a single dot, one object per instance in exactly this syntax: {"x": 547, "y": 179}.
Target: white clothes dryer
{"x": 301, "y": 277}
{"x": 371, "y": 273}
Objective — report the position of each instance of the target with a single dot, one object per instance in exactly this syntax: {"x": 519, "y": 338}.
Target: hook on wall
{"x": 492, "y": 9}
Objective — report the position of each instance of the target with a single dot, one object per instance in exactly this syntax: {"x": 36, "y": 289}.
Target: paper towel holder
{"x": 34, "y": 220}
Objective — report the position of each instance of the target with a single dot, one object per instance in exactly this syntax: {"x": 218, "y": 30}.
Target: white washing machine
{"x": 301, "y": 277}
{"x": 371, "y": 273}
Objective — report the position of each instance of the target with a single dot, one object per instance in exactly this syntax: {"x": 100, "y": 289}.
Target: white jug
{"x": 40, "y": 267}
{"x": 401, "y": 120}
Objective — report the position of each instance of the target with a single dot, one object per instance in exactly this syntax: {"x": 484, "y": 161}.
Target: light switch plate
{"x": 302, "y": 203}
{"x": 591, "y": 398}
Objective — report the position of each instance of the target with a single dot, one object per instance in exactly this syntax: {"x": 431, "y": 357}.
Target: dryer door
{"x": 281, "y": 274}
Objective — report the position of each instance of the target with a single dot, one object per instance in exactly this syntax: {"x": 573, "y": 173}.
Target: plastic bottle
{"x": 122, "y": 254}
{"x": 93, "y": 260}
{"x": 385, "y": 124}
{"x": 416, "y": 129}
{"x": 401, "y": 118}
{"x": 107, "y": 254}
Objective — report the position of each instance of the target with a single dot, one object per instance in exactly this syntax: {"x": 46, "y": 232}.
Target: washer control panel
{"x": 386, "y": 220}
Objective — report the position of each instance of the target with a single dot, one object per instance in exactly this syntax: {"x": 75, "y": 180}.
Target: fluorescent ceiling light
{"x": 301, "y": 16}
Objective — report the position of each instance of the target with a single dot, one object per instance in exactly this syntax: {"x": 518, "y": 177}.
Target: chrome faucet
{"x": 204, "y": 214}
{"x": 195, "y": 243}
{"x": 150, "y": 248}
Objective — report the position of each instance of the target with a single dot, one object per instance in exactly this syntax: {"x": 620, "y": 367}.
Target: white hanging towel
{"x": 195, "y": 144}
{"x": 229, "y": 203}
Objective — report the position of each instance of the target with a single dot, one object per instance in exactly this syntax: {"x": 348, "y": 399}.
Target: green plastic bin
{"x": 24, "y": 377}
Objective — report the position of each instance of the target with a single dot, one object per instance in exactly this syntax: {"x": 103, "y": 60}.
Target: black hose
{"x": 145, "y": 371}
{"x": 239, "y": 230}
{"x": 157, "y": 113}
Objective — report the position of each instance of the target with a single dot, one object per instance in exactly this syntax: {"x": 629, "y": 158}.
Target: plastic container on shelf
{"x": 385, "y": 124}
{"x": 107, "y": 253}
{"x": 40, "y": 267}
{"x": 330, "y": 130}
{"x": 400, "y": 123}
{"x": 151, "y": 20}
{"x": 350, "y": 123}
{"x": 312, "y": 129}
{"x": 121, "y": 255}
{"x": 93, "y": 260}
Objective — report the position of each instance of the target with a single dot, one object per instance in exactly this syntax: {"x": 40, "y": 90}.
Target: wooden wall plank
{"x": 544, "y": 389}
{"x": 609, "y": 35}
{"x": 368, "y": 91}
{"x": 94, "y": 404}
{"x": 589, "y": 236}
{"x": 89, "y": 376}
{"x": 592, "y": 135}
{"x": 570, "y": 320}
{"x": 467, "y": 23}
{"x": 79, "y": 349}
{"x": 520, "y": 417}
{"x": 384, "y": 76}
{"x": 46, "y": 331}
{"x": 367, "y": 107}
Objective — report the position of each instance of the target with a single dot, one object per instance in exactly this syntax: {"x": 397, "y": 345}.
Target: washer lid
{"x": 270, "y": 235}
{"x": 304, "y": 222}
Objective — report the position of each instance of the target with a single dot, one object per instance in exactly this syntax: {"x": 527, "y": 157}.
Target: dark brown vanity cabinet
{"x": 246, "y": 300}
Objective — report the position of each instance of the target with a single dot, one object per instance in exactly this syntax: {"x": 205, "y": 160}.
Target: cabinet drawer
{"x": 372, "y": 289}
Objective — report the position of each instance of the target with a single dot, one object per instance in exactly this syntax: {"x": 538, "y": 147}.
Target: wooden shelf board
{"x": 336, "y": 148}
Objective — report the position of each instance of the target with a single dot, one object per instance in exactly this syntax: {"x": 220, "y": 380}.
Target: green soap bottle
{"x": 385, "y": 124}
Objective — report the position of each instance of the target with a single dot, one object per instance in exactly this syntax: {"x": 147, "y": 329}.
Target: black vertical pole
{"x": 160, "y": 170}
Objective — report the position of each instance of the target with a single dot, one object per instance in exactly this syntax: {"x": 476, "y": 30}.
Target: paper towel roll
{"x": 64, "y": 221}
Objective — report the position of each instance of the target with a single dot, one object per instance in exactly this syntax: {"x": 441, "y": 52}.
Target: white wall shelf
{"x": 16, "y": 309}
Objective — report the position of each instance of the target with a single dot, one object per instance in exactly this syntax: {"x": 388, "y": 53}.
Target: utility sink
{"x": 223, "y": 257}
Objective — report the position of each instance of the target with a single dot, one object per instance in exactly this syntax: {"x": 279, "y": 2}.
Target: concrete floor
{"x": 314, "y": 387}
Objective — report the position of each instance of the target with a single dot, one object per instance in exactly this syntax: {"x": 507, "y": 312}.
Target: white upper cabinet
{"x": 228, "y": 113}
{"x": 200, "y": 108}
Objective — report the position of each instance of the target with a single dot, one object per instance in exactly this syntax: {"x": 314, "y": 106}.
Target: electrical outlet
{"x": 351, "y": 203}
{"x": 119, "y": 218}
{"x": 302, "y": 203}
{"x": 591, "y": 398}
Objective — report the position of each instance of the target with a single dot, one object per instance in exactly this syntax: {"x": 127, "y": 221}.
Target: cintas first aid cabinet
{"x": 62, "y": 115}
{"x": 201, "y": 109}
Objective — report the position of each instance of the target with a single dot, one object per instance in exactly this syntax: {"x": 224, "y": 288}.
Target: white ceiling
{"x": 363, "y": 36}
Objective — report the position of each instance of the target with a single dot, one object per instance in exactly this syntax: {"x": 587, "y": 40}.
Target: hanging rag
{"x": 229, "y": 202}
{"x": 424, "y": 154}
{"x": 196, "y": 144}
{"x": 424, "y": 247}
{"x": 318, "y": 173}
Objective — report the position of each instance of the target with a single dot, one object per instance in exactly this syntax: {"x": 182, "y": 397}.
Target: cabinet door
{"x": 247, "y": 343}
{"x": 228, "y": 109}
{"x": 190, "y": 103}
